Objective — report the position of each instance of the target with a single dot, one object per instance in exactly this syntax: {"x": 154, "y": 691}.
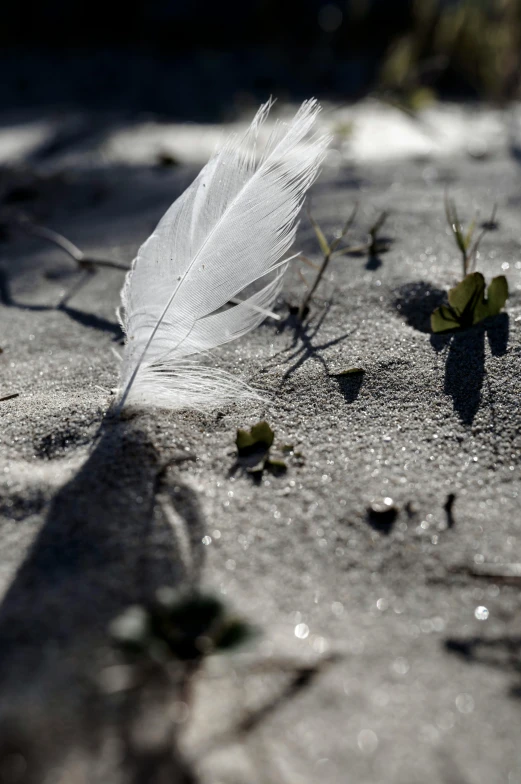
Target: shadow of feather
{"x": 105, "y": 544}
{"x": 85, "y": 319}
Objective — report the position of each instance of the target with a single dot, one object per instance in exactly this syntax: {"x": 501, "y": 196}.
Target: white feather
{"x": 228, "y": 230}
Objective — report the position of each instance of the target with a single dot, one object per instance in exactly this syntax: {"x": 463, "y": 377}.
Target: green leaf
{"x": 262, "y": 433}
{"x": 259, "y": 438}
{"x": 275, "y": 465}
{"x": 466, "y": 296}
{"x": 470, "y": 233}
{"x": 182, "y": 626}
{"x": 497, "y": 295}
{"x": 244, "y": 440}
{"x": 443, "y": 320}
{"x": 467, "y": 303}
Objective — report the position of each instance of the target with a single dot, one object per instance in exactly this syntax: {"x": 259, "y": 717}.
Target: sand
{"x": 424, "y": 681}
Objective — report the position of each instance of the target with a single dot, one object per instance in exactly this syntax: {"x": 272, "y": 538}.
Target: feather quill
{"x": 226, "y": 234}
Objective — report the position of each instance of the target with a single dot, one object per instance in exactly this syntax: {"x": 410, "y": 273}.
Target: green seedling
{"x": 467, "y": 245}
{"x": 253, "y": 447}
{"x": 259, "y": 437}
{"x": 468, "y": 305}
{"x": 329, "y": 251}
{"x": 335, "y": 249}
{"x": 178, "y": 626}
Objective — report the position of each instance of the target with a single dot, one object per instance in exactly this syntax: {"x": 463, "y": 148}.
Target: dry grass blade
{"x": 324, "y": 245}
{"x": 468, "y": 250}
{"x": 329, "y": 251}
{"x": 308, "y": 262}
{"x": 470, "y": 233}
{"x": 303, "y": 278}
{"x": 72, "y": 250}
{"x": 487, "y": 226}
{"x": 346, "y": 228}
{"x": 373, "y": 233}
{"x": 59, "y": 240}
{"x": 454, "y": 223}
{"x": 9, "y": 397}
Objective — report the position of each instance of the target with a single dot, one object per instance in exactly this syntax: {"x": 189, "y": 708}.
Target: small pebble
{"x": 383, "y": 509}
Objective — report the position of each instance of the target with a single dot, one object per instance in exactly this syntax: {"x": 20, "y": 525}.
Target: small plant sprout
{"x": 377, "y": 244}
{"x": 373, "y": 246}
{"x": 464, "y": 240}
{"x": 467, "y": 302}
{"x": 330, "y": 251}
{"x": 253, "y": 450}
{"x": 181, "y": 626}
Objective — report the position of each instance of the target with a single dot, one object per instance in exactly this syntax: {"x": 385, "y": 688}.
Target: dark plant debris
{"x": 378, "y": 244}
{"x": 448, "y": 506}
{"x": 507, "y": 574}
{"x": 382, "y": 513}
{"x": 166, "y": 160}
{"x": 350, "y": 372}
{"x": 253, "y": 447}
{"x": 181, "y": 626}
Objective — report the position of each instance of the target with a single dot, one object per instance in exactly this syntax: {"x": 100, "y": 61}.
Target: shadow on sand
{"x": 501, "y": 652}
{"x": 465, "y": 369}
{"x": 106, "y": 543}
{"x": 85, "y": 319}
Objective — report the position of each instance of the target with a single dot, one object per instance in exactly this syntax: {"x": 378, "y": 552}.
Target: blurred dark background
{"x": 207, "y": 60}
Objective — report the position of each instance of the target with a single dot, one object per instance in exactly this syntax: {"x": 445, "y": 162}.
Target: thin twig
{"x": 303, "y": 278}
{"x": 373, "y": 233}
{"x": 302, "y": 675}
{"x": 9, "y": 397}
{"x": 509, "y": 574}
{"x": 308, "y": 262}
{"x": 72, "y": 250}
{"x": 346, "y": 228}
